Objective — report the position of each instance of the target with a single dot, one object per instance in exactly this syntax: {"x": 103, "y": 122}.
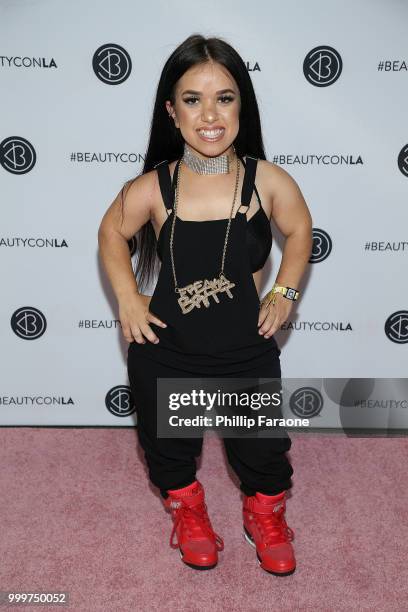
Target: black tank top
{"x": 259, "y": 234}
{"x": 222, "y": 338}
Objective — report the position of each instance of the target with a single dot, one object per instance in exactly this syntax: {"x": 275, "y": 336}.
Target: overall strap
{"x": 249, "y": 179}
{"x": 167, "y": 185}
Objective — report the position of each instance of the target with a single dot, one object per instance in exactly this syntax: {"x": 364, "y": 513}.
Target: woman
{"x": 205, "y": 200}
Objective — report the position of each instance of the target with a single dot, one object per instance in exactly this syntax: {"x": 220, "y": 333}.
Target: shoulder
{"x": 278, "y": 185}
{"x": 283, "y": 194}
{"x": 145, "y": 185}
{"x": 274, "y": 178}
{"x": 140, "y": 196}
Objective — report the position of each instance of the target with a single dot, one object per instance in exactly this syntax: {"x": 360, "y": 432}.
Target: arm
{"x": 113, "y": 234}
{"x": 293, "y": 219}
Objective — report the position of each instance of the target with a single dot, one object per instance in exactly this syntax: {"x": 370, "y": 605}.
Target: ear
{"x": 172, "y": 113}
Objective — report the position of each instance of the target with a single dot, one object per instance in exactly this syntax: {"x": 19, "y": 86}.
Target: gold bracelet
{"x": 269, "y": 298}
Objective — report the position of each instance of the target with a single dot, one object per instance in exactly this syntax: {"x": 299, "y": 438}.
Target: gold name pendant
{"x": 199, "y": 292}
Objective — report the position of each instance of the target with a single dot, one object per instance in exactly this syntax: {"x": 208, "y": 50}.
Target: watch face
{"x": 290, "y": 294}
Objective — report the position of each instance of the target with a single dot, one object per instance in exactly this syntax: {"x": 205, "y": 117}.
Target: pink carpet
{"x": 78, "y": 515}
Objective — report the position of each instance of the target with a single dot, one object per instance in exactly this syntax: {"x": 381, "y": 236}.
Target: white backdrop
{"x": 333, "y": 116}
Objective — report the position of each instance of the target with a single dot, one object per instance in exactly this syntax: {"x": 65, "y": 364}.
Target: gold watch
{"x": 288, "y": 292}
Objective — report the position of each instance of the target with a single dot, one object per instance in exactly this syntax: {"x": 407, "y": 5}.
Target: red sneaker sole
{"x": 248, "y": 538}
{"x": 197, "y": 567}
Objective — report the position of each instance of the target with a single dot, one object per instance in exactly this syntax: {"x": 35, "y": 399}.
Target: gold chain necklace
{"x": 199, "y": 292}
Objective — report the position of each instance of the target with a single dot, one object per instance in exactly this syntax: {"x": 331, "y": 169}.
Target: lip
{"x": 207, "y": 138}
{"x": 213, "y": 127}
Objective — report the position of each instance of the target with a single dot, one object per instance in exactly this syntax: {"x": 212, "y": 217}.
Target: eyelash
{"x": 192, "y": 98}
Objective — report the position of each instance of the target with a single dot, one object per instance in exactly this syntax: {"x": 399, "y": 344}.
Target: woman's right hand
{"x": 135, "y": 316}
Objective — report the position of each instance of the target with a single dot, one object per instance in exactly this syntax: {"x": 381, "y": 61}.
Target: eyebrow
{"x": 221, "y": 91}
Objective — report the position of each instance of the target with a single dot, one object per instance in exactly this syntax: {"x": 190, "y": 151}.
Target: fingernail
{"x": 156, "y": 341}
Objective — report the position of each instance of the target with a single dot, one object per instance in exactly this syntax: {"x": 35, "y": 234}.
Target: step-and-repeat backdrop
{"x": 78, "y": 81}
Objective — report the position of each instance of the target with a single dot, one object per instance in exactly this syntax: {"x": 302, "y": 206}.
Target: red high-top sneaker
{"x": 265, "y": 528}
{"x": 198, "y": 544}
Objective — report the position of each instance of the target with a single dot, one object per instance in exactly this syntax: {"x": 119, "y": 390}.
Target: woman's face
{"x": 206, "y": 109}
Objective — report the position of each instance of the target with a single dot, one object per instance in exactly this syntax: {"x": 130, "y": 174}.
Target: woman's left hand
{"x": 271, "y": 317}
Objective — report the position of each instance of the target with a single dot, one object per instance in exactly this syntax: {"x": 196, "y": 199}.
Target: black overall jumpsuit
{"x": 219, "y": 341}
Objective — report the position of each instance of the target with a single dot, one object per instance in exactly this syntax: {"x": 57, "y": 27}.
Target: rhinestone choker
{"x": 211, "y": 165}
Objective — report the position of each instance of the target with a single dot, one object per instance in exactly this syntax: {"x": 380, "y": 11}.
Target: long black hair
{"x": 166, "y": 141}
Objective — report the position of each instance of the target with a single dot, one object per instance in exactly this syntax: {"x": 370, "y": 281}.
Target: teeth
{"x": 211, "y": 133}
